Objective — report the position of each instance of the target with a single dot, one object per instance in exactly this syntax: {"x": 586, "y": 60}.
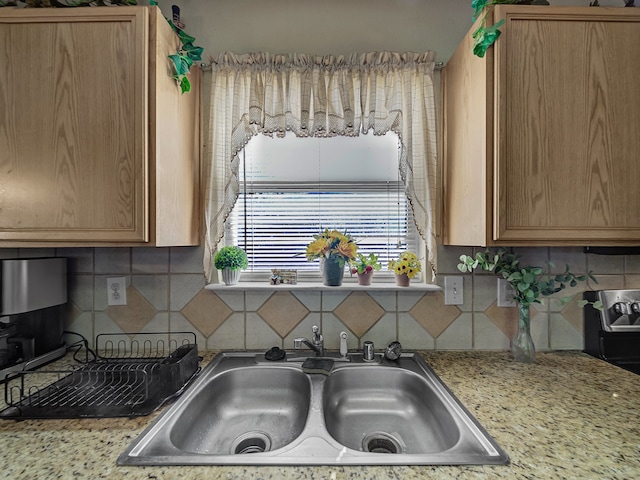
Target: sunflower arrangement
{"x": 332, "y": 244}
{"x": 408, "y": 263}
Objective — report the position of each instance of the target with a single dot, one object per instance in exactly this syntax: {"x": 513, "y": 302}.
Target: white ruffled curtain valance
{"x": 321, "y": 96}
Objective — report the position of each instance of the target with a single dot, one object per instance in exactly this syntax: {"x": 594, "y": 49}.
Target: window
{"x": 292, "y": 188}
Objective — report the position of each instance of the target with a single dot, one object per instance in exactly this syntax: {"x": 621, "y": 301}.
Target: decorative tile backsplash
{"x": 165, "y": 292}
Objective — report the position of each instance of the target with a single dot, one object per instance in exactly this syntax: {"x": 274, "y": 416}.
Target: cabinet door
{"x": 567, "y": 123}
{"x": 73, "y": 133}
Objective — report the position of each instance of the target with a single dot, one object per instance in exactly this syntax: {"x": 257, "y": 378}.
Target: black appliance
{"x": 32, "y": 293}
{"x": 613, "y": 333}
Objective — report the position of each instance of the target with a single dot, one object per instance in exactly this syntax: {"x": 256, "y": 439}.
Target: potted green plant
{"x": 231, "y": 259}
{"x": 334, "y": 249}
{"x": 406, "y": 267}
{"x": 364, "y": 266}
{"x": 529, "y": 284}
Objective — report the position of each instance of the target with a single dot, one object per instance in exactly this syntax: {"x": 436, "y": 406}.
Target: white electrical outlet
{"x": 453, "y": 290}
{"x": 117, "y": 291}
{"x": 505, "y": 294}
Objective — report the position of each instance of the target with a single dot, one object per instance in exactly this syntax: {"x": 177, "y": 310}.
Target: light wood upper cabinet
{"x": 542, "y": 136}
{"x": 97, "y": 145}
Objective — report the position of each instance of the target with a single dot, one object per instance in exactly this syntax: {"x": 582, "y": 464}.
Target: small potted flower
{"x": 406, "y": 267}
{"x": 364, "y": 267}
{"x": 334, "y": 249}
{"x": 231, "y": 260}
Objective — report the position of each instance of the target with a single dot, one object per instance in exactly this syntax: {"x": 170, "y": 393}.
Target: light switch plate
{"x": 505, "y": 294}
{"x": 453, "y": 290}
{"x": 116, "y": 291}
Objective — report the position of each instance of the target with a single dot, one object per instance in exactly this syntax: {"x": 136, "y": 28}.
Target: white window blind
{"x": 292, "y": 188}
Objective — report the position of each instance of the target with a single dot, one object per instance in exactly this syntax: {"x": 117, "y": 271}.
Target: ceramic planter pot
{"x": 230, "y": 277}
{"x": 365, "y": 278}
{"x": 403, "y": 280}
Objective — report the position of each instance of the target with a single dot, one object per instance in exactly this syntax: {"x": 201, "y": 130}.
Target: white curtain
{"x": 321, "y": 96}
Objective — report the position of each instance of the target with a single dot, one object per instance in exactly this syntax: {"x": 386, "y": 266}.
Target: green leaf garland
{"x": 485, "y": 36}
{"x": 183, "y": 59}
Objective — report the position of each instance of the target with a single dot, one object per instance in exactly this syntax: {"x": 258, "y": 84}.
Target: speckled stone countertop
{"x": 568, "y": 416}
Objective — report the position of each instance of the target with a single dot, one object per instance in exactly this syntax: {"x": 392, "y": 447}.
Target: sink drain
{"x": 381, "y": 442}
{"x": 251, "y": 442}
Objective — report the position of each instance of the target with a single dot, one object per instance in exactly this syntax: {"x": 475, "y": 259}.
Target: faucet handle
{"x": 317, "y": 336}
{"x": 368, "y": 353}
{"x": 344, "y": 350}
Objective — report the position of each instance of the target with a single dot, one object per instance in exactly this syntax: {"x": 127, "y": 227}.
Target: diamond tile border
{"x": 206, "y": 311}
{"x": 282, "y": 312}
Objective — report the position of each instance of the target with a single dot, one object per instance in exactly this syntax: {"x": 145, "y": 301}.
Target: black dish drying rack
{"x": 127, "y": 378}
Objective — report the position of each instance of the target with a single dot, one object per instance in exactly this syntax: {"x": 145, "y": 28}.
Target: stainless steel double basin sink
{"x": 246, "y": 410}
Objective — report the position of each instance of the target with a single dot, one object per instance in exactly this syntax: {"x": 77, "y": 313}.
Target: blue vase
{"x": 332, "y": 272}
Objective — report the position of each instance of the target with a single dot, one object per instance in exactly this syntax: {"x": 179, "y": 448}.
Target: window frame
{"x": 412, "y": 242}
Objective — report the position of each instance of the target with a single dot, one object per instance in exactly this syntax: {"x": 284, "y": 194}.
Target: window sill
{"x": 315, "y": 286}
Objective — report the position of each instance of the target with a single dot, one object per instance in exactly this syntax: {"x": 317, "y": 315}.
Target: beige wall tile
{"x": 484, "y": 291}
{"x": 359, "y": 312}
{"x": 183, "y": 288}
{"x": 449, "y": 258}
{"x": 154, "y": 288}
{"x": 407, "y": 299}
{"x": 632, "y": 281}
{"x": 412, "y": 335}
{"x": 82, "y": 325}
{"x": 206, "y": 312}
{"x": 632, "y": 264}
{"x": 282, "y": 311}
{"x": 605, "y": 264}
{"x": 563, "y": 336}
{"x": 134, "y": 316}
{"x": 235, "y": 300}
{"x": 331, "y": 328}
{"x": 259, "y": 335}
{"x": 607, "y": 282}
{"x": 112, "y": 261}
{"x": 178, "y": 323}
{"x": 383, "y": 332}
{"x": 458, "y": 336}
{"x": 186, "y": 260}
{"x": 572, "y": 256}
{"x": 230, "y": 335}
{"x": 149, "y": 260}
{"x": 487, "y": 335}
{"x": 311, "y": 300}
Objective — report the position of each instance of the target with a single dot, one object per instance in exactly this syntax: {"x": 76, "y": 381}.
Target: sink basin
{"x": 388, "y": 411}
{"x": 245, "y": 410}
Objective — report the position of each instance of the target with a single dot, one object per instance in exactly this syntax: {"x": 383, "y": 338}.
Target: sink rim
{"x": 314, "y": 445}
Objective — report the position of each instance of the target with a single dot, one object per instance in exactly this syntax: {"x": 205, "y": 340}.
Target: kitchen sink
{"x": 246, "y": 410}
{"x": 398, "y": 411}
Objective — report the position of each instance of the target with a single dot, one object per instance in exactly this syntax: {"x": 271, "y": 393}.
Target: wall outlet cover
{"x": 117, "y": 291}
{"x": 505, "y": 294}
{"x": 453, "y": 290}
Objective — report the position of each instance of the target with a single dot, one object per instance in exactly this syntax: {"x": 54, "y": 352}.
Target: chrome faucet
{"x": 317, "y": 344}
